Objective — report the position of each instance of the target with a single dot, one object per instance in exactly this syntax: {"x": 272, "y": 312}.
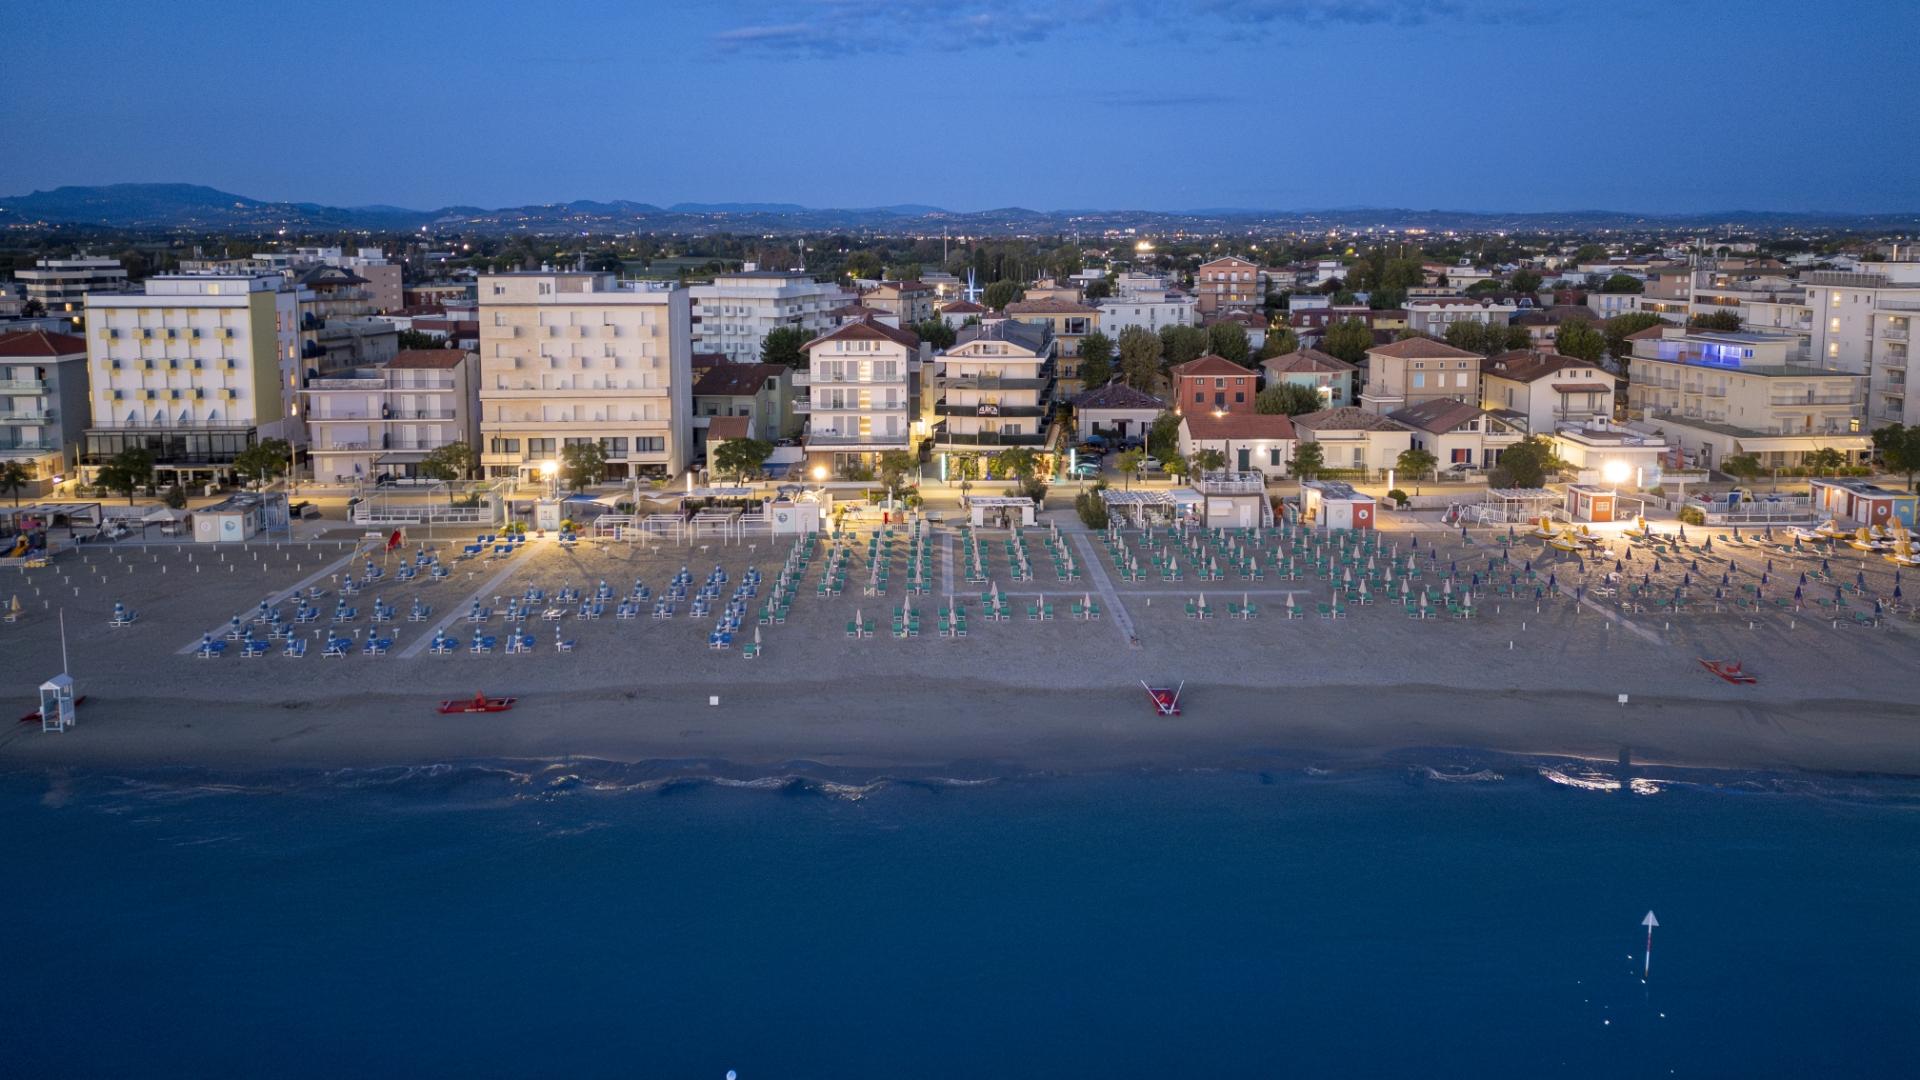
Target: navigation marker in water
{"x": 1649, "y": 922}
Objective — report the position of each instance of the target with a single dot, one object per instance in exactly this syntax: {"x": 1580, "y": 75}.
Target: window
{"x": 540, "y": 446}
{"x": 1419, "y": 381}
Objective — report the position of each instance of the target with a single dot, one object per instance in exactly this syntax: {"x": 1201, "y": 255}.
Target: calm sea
{"x": 572, "y": 920}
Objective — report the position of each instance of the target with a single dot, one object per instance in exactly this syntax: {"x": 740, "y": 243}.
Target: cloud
{"x": 841, "y": 27}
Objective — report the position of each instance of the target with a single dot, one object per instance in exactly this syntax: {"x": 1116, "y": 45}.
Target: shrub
{"x": 1091, "y": 508}
{"x": 1399, "y": 498}
{"x": 1692, "y": 515}
{"x": 176, "y": 499}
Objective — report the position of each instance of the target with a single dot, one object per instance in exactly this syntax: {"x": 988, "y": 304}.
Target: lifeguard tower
{"x": 56, "y": 703}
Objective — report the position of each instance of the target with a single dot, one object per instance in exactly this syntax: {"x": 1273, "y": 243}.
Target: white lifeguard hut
{"x": 56, "y": 703}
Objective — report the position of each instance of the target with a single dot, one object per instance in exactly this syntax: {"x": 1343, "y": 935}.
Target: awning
{"x": 1811, "y": 440}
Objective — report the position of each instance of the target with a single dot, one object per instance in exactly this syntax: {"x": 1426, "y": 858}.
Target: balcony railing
{"x": 876, "y": 439}
{"x": 35, "y": 445}
{"x": 1808, "y": 399}
{"x": 1892, "y": 334}
{"x": 25, "y": 417}
{"x": 944, "y": 409}
{"x": 942, "y": 437}
{"x": 22, "y": 386}
{"x": 372, "y": 382}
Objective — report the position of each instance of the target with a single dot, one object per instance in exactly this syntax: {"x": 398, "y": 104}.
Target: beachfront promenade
{"x": 619, "y": 645}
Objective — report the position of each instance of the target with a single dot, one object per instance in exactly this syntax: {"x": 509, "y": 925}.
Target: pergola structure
{"x": 1508, "y": 505}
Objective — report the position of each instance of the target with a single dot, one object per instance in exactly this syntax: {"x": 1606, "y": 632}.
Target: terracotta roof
{"x": 1209, "y": 365}
{"x": 962, "y": 307}
{"x": 1227, "y": 259}
{"x": 1206, "y": 427}
{"x": 1420, "y": 348}
{"x": 1345, "y": 418}
{"x": 1450, "y": 301}
{"x": 1531, "y": 365}
{"x": 858, "y": 311}
{"x": 1049, "y": 307}
{"x": 427, "y": 358}
{"x": 729, "y": 427}
{"x": 1305, "y": 360}
{"x": 708, "y": 359}
{"x": 42, "y": 344}
{"x": 867, "y": 330}
{"x": 1117, "y": 396}
{"x": 736, "y": 380}
{"x": 1438, "y": 416}
{"x": 1244, "y": 318}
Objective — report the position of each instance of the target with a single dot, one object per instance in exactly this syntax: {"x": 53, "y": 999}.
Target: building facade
{"x": 43, "y": 404}
{"x": 1864, "y": 322}
{"x": 1414, "y": 370}
{"x": 575, "y": 356}
{"x": 1433, "y": 316}
{"x": 994, "y": 386}
{"x": 194, "y": 370}
{"x": 1540, "y": 391}
{"x": 862, "y": 396}
{"x": 1328, "y": 376}
{"x": 61, "y": 285}
{"x": 737, "y": 311}
{"x": 1212, "y": 384}
{"x": 1070, "y": 321}
{"x": 1228, "y": 284}
{"x": 762, "y": 394}
{"x": 383, "y": 421}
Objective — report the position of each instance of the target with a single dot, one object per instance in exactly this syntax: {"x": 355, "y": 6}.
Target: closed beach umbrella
{"x": 1289, "y": 601}
{"x": 1798, "y": 595}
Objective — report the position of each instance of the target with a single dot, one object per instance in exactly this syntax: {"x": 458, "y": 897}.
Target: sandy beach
{"x": 1021, "y": 694}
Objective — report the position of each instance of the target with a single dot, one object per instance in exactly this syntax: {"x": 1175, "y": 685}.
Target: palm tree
{"x": 13, "y": 478}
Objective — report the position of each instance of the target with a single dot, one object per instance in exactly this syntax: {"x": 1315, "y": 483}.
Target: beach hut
{"x": 1331, "y": 504}
{"x": 1589, "y": 502}
{"x": 1857, "y": 502}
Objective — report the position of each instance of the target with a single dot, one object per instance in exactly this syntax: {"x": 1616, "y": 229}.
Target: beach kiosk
{"x": 1331, "y": 504}
{"x": 56, "y": 703}
{"x": 1856, "y": 502}
{"x": 999, "y": 511}
{"x": 229, "y": 522}
{"x": 1589, "y": 502}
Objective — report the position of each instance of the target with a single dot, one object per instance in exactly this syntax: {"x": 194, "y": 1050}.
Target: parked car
{"x": 1150, "y": 464}
{"x": 1085, "y": 470}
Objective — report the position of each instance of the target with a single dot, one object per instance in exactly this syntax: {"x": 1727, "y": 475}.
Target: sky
{"x": 1641, "y": 105}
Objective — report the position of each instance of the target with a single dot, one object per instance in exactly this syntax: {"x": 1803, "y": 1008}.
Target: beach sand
{"x": 1060, "y": 695}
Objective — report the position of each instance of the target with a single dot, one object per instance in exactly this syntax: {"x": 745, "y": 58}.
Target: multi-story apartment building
{"x": 578, "y": 356}
{"x": 1727, "y": 285}
{"x": 1228, "y": 284}
{"x": 1719, "y": 394}
{"x": 1148, "y": 309}
{"x": 911, "y": 302}
{"x": 1433, "y": 316}
{"x": 1668, "y": 293}
{"x": 1539, "y": 391}
{"x": 61, "y": 285}
{"x": 383, "y": 421}
{"x": 1070, "y": 321}
{"x": 736, "y": 312}
{"x": 194, "y": 370}
{"x": 1328, "y": 376}
{"x": 43, "y": 404}
{"x": 1414, "y": 370}
{"x": 862, "y": 387}
{"x": 338, "y": 330}
{"x": 1864, "y": 322}
{"x": 994, "y": 387}
{"x": 762, "y": 394}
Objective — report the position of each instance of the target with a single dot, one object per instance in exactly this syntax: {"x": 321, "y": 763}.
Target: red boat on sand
{"x": 478, "y": 703}
{"x": 1730, "y": 670}
{"x": 1166, "y": 700}
{"x": 34, "y": 716}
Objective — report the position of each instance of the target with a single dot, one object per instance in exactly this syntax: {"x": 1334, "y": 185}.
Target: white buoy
{"x": 1623, "y": 699}
{"x": 713, "y": 699}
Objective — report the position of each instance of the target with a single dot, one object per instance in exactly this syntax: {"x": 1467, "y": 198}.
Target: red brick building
{"x": 1228, "y": 284}
{"x": 1212, "y": 384}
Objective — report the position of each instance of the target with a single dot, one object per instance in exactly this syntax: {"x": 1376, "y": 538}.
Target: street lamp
{"x": 1615, "y": 472}
{"x": 549, "y": 470}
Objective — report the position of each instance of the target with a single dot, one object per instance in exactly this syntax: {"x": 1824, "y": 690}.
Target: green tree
{"x": 1525, "y": 282}
{"x": 1579, "y": 338}
{"x": 129, "y": 471}
{"x": 1130, "y": 464}
{"x": 1348, "y": 339}
{"x": 1416, "y": 463}
{"x": 1291, "y": 399}
{"x": 1309, "y": 459}
{"x": 1823, "y": 460}
{"x": 1001, "y": 293}
{"x": 175, "y": 497}
{"x": 264, "y": 460}
{"x": 14, "y": 478}
{"x": 1208, "y": 460}
{"x": 894, "y": 465}
{"x": 582, "y": 463}
{"x": 1096, "y": 360}
{"x": 1279, "y": 343}
{"x": 1140, "y": 350}
{"x": 1617, "y": 328}
{"x": 1745, "y": 467}
{"x": 1526, "y": 464}
{"x": 454, "y": 461}
{"x": 1100, "y": 290}
{"x": 1176, "y": 465}
{"x": 1092, "y": 508}
{"x": 963, "y": 469}
{"x": 936, "y": 333}
{"x": 1621, "y": 283}
{"x": 1019, "y": 463}
{"x": 1589, "y": 253}
{"x": 1179, "y": 344}
{"x": 1469, "y": 335}
{"x": 1163, "y": 438}
{"x": 1716, "y": 320}
{"x": 740, "y": 459}
{"x": 785, "y": 345}
{"x": 1229, "y": 341}
{"x": 1899, "y": 448}
{"x": 414, "y": 339}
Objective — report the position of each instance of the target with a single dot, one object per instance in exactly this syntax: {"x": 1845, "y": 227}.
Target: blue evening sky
{"x": 1681, "y": 105}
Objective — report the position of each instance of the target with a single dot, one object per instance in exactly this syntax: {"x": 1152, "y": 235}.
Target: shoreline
{"x": 998, "y": 731}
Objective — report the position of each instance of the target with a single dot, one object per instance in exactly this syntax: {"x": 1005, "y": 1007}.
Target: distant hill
{"x": 164, "y": 207}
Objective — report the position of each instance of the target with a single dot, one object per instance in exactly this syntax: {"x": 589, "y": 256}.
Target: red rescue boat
{"x": 478, "y": 703}
{"x": 1166, "y": 700}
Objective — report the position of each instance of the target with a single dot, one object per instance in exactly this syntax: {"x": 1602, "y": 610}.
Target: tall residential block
{"x": 577, "y": 356}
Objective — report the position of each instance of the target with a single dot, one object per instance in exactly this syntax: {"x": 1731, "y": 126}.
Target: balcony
{"x": 875, "y": 440}
{"x": 37, "y": 446}
{"x": 944, "y": 409}
{"x": 1892, "y": 334}
{"x": 943, "y": 437}
{"x": 419, "y": 414}
{"x": 22, "y": 386}
{"x": 25, "y": 417}
{"x": 1809, "y": 399}
{"x": 338, "y": 383}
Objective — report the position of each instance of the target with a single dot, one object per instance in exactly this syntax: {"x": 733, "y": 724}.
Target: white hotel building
{"x": 737, "y": 310}
{"x": 194, "y": 370}
{"x": 580, "y": 356}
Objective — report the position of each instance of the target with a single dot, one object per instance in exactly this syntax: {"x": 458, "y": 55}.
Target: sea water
{"x": 519, "y": 920}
